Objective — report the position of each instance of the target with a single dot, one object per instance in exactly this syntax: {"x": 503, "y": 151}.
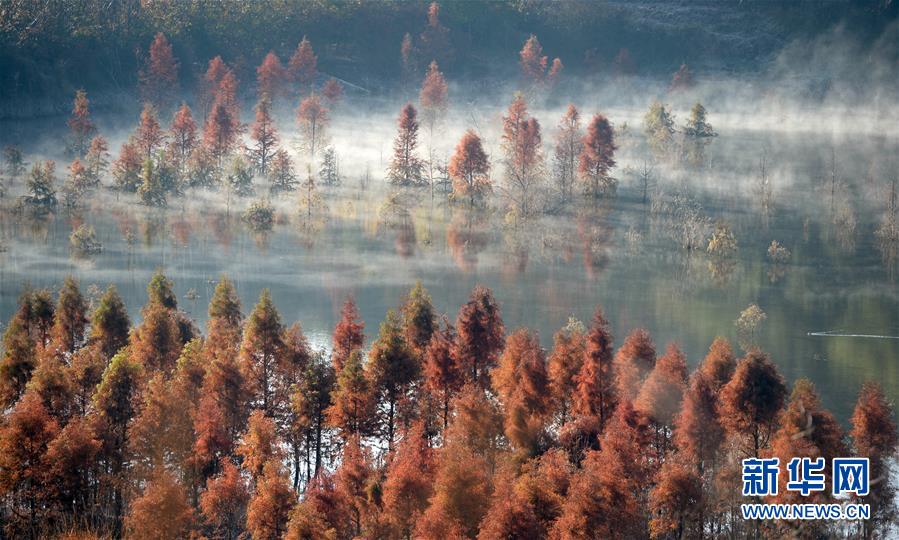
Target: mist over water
{"x": 617, "y": 255}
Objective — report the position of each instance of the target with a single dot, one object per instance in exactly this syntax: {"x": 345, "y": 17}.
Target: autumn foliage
{"x": 432, "y": 431}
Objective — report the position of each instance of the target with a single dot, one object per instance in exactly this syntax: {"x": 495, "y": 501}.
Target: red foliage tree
{"x": 221, "y": 131}
{"x": 71, "y": 467}
{"x": 259, "y": 445}
{"x": 70, "y": 319}
{"x": 161, "y": 512}
{"x": 352, "y": 482}
{"x": 211, "y": 82}
{"x": 312, "y": 119}
{"x": 435, "y": 41}
{"x": 263, "y": 345}
{"x": 719, "y": 364}
{"x": 676, "y": 503}
{"x": 633, "y": 362}
{"x": 183, "y": 136}
{"x": 443, "y": 375}
{"x": 874, "y": 436}
{"x": 348, "y": 334}
{"x": 409, "y": 479}
{"x": 461, "y": 492}
{"x": 600, "y": 502}
{"x": 682, "y": 79}
{"x": 159, "y": 78}
{"x": 564, "y": 364}
{"x": 469, "y": 168}
{"x": 110, "y": 323}
{"x": 80, "y": 125}
{"x": 269, "y": 509}
{"x": 805, "y": 429}
{"x": 270, "y": 76}
{"x": 533, "y": 62}
{"x": 479, "y": 340}
{"x": 698, "y": 433}
{"x": 567, "y": 151}
{"x": 149, "y": 134}
{"x": 511, "y": 514}
{"x": 597, "y": 156}
{"x": 521, "y": 143}
{"x": 661, "y": 395}
{"x": 353, "y": 399}
{"x": 595, "y": 395}
{"x": 751, "y": 403}
{"x": 24, "y": 438}
{"x": 303, "y": 66}
{"x": 18, "y": 363}
{"x": 332, "y": 91}
{"x": 433, "y": 97}
{"x": 521, "y": 382}
{"x": 224, "y": 502}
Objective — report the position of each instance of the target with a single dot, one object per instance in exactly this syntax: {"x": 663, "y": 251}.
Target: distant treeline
{"x": 51, "y": 48}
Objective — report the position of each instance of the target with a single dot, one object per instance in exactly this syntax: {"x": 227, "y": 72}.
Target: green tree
{"x": 392, "y": 368}
{"x": 658, "y": 125}
{"x": 110, "y": 323}
{"x": 263, "y": 344}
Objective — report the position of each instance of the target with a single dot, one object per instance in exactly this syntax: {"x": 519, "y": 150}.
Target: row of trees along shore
{"x": 426, "y": 428}
{"x": 218, "y": 151}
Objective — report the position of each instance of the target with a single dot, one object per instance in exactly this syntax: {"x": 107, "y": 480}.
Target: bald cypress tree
{"x": 70, "y": 319}
{"x": 392, "y": 368}
{"x": 262, "y": 345}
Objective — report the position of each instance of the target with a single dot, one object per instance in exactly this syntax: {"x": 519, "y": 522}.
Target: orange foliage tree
{"x": 469, "y": 168}
{"x": 81, "y": 127}
{"x": 479, "y": 339}
{"x": 598, "y": 157}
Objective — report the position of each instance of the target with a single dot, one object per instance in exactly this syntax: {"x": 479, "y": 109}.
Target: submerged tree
{"x": 697, "y": 135}
{"x": 469, "y": 168}
{"x": 312, "y": 119}
{"x": 42, "y": 186}
{"x": 329, "y": 173}
{"x": 433, "y": 97}
{"x": 182, "y": 138}
{"x": 264, "y": 135}
{"x": 281, "y": 173}
{"x": 598, "y": 157}
{"x": 523, "y": 158}
{"x": 566, "y": 155}
{"x": 81, "y": 128}
{"x": 405, "y": 167}
{"x": 658, "y": 125}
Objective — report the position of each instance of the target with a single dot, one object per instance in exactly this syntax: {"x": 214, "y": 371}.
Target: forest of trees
{"x": 48, "y": 49}
{"x": 430, "y": 426}
{"x": 208, "y": 146}
{"x": 438, "y": 428}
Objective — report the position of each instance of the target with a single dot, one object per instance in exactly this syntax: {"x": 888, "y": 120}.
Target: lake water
{"x": 619, "y": 255}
